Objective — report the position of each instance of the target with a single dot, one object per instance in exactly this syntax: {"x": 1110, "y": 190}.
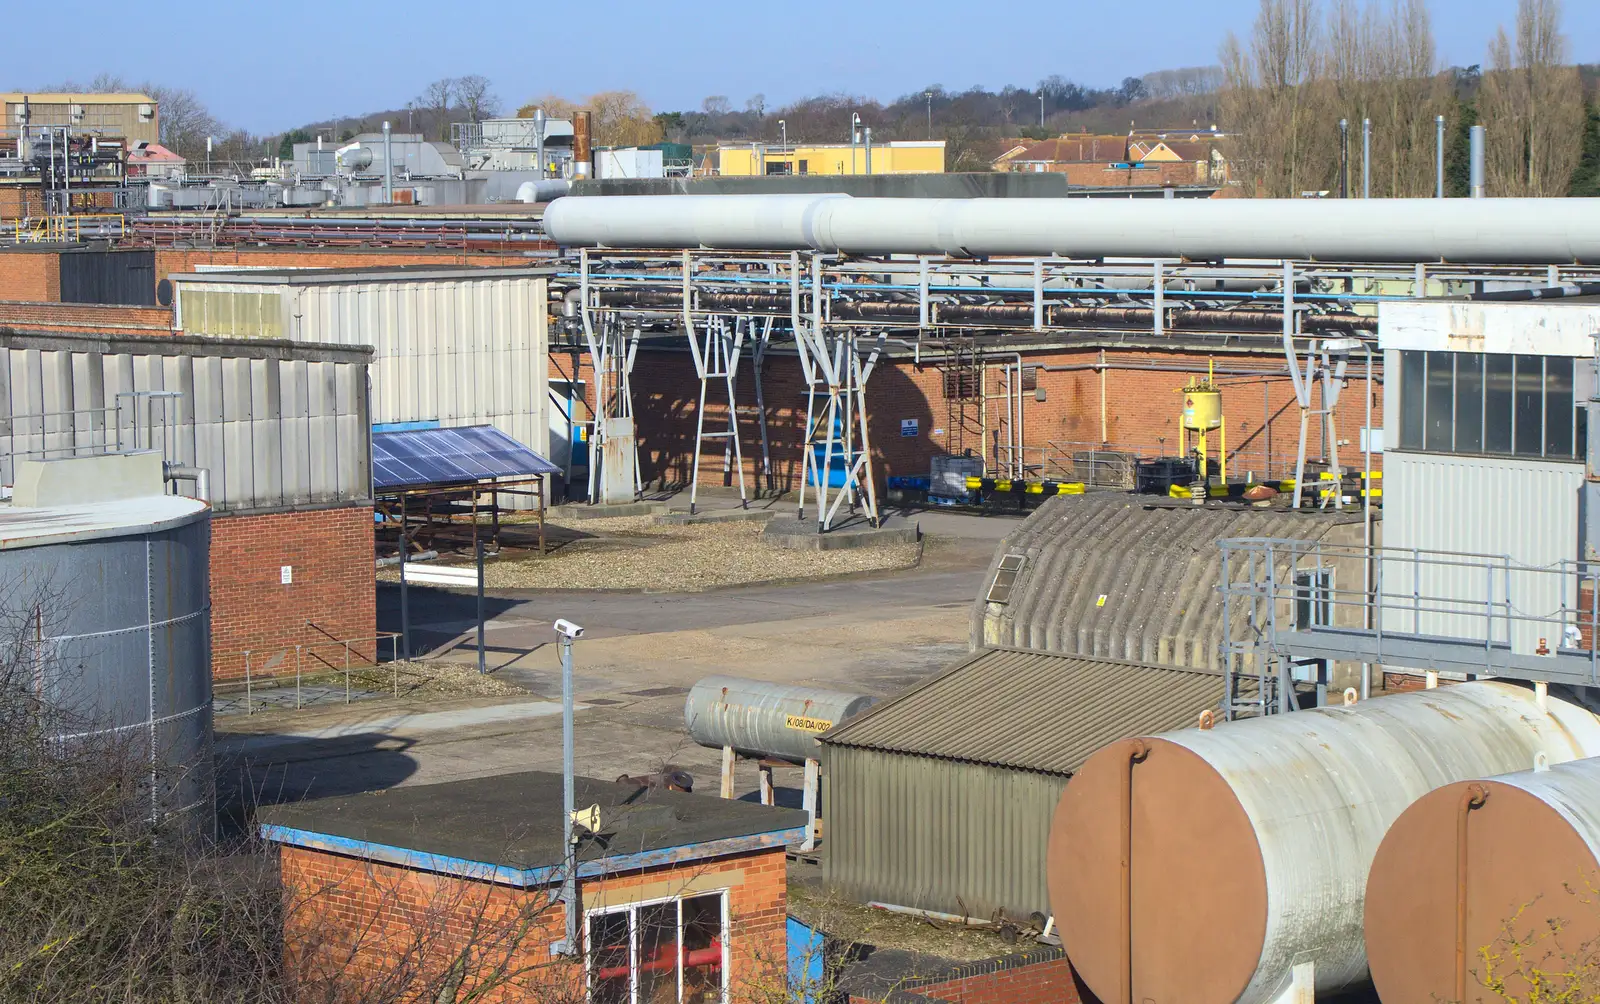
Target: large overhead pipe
{"x": 1410, "y": 230}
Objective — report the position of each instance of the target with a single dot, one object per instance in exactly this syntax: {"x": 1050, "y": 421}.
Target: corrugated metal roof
{"x": 1032, "y": 710}
{"x": 1132, "y": 577}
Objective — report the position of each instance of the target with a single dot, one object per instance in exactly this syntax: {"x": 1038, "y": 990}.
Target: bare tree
{"x": 1531, "y": 104}
{"x": 435, "y": 103}
{"x": 621, "y": 118}
{"x": 474, "y": 98}
{"x": 1269, "y": 85}
{"x": 716, "y": 104}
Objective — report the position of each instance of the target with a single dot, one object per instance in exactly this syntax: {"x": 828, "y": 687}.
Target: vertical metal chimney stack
{"x": 388, "y": 167}
{"x": 1366, "y": 158}
{"x": 1438, "y": 159}
{"x": 1344, "y": 158}
{"x": 582, "y": 148}
{"x": 1475, "y": 170}
{"x": 538, "y": 139}
{"x": 866, "y": 137}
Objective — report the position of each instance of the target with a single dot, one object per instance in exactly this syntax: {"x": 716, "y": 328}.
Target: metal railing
{"x": 87, "y": 432}
{"x": 1459, "y": 612}
{"x": 323, "y": 659}
{"x": 1112, "y": 465}
{"x": 66, "y": 228}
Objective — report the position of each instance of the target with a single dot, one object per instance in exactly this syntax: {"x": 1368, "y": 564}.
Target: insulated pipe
{"x": 1372, "y": 230}
{"x": 201, "y": 477}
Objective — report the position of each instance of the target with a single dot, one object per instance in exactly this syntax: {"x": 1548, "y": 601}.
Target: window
{"x": 667, "y": 950}
{"x": 1506, "y": 405}
{"x": 780, "y": 167}
{"x": 1313, "y": 598}
{"x": 803, "y": 167}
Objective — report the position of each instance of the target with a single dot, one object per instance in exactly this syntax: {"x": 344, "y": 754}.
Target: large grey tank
{"x": 765, "y": 719}
{"x": 1204, "y": 866}
{"x": 116, "y": 596}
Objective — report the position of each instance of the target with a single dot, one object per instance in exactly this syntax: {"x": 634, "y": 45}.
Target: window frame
{"x": 1418, "y": 408}
{"x": 632, "y": 910}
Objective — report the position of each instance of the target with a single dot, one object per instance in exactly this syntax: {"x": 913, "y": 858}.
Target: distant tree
{"x": 555, "y": 106}
{"x": 474, "y": 98}
{"x": 716, "y": 104}
{"x": 1132, "y": 90}
{"x": 621, "y": 118}
{"x": 1586, "y": 176}
{"x": 1532, "y": 107}
{"x": 672, "y": 125}
{"x": 435, "y": 101}
{"x": 289, "y": 139}
{"x": 756, "y": 105}
{"x": 1457, "y": 149}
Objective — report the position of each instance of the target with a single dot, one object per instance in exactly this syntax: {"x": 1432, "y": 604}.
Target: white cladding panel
{"x": 1524, "y": 509}
{"x": 1544, "y": 329}
{"x": 456, "y": 351}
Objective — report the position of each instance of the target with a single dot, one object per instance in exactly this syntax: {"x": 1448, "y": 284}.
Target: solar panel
{"x": 413, "y": 457}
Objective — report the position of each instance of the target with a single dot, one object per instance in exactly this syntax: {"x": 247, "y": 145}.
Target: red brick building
{"x": 682, "y": 897}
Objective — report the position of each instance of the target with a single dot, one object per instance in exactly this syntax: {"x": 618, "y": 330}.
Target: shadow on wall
{"x": 900, "y": 423}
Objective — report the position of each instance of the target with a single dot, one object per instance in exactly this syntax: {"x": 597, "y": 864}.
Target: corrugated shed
{"x": 1525, "y": 509}
{"x": 460, "y": 346}
{"x": 1031, "y": 710}
{"x": 942, "y": 798}
{"x": 1128, "y": 577}
{"x": 277, "y": 425}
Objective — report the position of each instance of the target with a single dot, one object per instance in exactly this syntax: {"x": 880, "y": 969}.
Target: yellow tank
{"x": 1202, "y": 407}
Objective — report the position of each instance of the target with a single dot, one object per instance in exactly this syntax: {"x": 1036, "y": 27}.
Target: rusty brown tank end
{"x": 1134, "y": 752}
{"x": 1472, "y": 797}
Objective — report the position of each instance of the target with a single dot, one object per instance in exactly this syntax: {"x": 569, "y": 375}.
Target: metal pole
{"x": 929, "y": 96}
{"x": 1475, "y": 162}
{"x": 405, "y": 609}
{"x": 569, "y": 883}
{"x": 1366, "y": 158}
{"x": 1041, "y": 109}
{"x": 388, "y": 167}
{"x": 866, "y": 138}
{"x": 482, "y": 668}
{"x": 538, "y": 138}
{"x": 1438, "y": 156}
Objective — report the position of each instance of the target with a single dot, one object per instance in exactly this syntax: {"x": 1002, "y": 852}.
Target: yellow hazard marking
{"x": 1101, "y": 601}
{"x": 800, "y": 723}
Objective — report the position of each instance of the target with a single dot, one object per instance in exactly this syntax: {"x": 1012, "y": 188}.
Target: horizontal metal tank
{"x": 118, "y": 594}
{"x": 1201, "y": 866}
{"x": 765, "y": 719}
{"x": 1461, "y": 230}
{"x": 1482, "y": 864}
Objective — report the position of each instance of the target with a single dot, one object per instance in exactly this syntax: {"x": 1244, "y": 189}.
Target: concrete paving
{"x": 640, "y": 653}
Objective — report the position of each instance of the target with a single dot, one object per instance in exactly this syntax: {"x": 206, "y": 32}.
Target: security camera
{"x": 569, "y": 629}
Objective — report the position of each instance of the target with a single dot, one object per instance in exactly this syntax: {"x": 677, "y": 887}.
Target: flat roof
{"x": 385, "y": 273}
{"x": 1032, "y": 710}
{"x": 187, "y": 345}
{"x": 20, "y": 527}
{"x": 507, "y": 828}
{"x": 61, "y": 97}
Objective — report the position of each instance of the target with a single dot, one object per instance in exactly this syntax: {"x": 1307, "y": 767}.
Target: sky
{"x": 272, "y": 67}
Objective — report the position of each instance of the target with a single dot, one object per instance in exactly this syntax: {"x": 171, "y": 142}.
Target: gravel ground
{"x": 429, "y": 678}
{"x": 636, "y": 552}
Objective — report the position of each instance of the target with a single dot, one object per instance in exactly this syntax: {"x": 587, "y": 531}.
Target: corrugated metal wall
{"x": 937, "y": 834}
{"x": 455, "y": 351}
{"x": 1527, "y": 509}
{"x": 276, "y": 426}
{"x": 114, "y": 277}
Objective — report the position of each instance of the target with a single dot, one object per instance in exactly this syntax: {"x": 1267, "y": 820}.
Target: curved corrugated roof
{"x": 1031, "y": 710}
{"x": 1155, "y": 562}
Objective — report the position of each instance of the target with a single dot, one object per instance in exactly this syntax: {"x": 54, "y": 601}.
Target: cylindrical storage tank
{"x": 1491, "y": 865}
{"x": 1202, "y": 408}
{"x": 765, "y": 719}
{"x": 1201, "y": 866}
{"x": 118, "y": 596}
{"x": 545, "y": 190}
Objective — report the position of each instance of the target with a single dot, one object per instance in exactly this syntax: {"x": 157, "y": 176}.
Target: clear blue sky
{"x": 272, "y": 66}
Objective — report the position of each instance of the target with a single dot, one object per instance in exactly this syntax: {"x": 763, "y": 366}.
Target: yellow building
{"x": 132, "y": 117}
{"x": 900, "y": 157}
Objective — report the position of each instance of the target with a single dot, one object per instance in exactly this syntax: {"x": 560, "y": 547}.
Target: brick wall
{"x": 346, "y": 918}
{"x": 33, "y": 276}
{"x": 90, "y": 318}
{"x": 1126, "y": 400}
{"x": 1040, "y": 975}
{"x": 17, "y": 201}
{"x": 332, "y": 595}
{"x": 169, "y": 260}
